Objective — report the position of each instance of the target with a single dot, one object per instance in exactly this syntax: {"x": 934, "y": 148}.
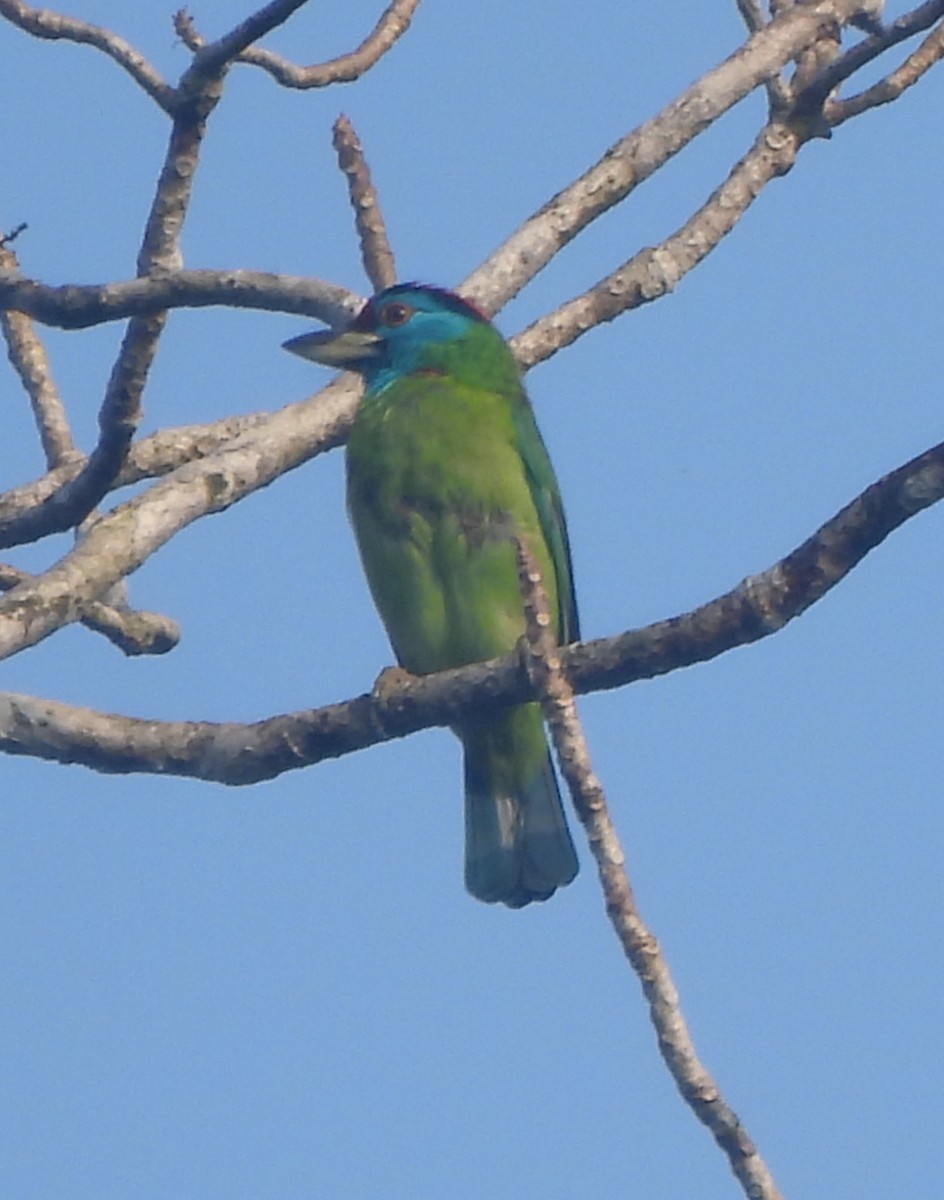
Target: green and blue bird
{"x": 445, "y": 468}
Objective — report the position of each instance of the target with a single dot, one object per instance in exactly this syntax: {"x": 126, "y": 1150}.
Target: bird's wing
{"x": 547, "y": 501}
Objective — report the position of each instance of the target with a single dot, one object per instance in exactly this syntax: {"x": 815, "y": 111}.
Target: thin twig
{"x": 891, "y": 87}
{"x": 213, "y": 57}
{"x": 376, "y": 252}
{"x": 76, "y": 306}
{"x": 7, "y": 239}
{"x": 121, "y": 408}
{"x": 43, "y": 23}
{"x": 393, "y": 23}
{"x": 132, "y": 632}
{"x": 917, "y": 21}
{"x": 27, "y": 355}
{"x": 697, "y": 1086}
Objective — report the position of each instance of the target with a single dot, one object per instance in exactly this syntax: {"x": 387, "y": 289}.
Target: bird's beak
{"x": 349, "y": 349}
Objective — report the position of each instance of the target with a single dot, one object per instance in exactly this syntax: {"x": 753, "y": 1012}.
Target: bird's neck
{"x": 469, "y": 361}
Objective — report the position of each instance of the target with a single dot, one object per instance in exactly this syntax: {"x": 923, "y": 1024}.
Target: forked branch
{"x": 392, "y": 25}
{"x": 241, "y": 754}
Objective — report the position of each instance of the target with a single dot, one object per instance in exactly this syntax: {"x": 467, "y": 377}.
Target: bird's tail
{"x": 517, "y": 845}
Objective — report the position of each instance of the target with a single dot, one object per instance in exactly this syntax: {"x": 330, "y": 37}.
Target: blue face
{"x": 410, "y": 320}
{"x": 408, "y": 329}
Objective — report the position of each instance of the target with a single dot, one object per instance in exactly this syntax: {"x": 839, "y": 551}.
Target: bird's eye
{"x": 396, "y": 314}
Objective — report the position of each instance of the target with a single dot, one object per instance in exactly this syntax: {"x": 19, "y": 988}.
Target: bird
{"x": 446, "y": 468}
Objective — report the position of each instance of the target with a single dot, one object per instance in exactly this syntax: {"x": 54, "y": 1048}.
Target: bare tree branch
{"x": 647, "y": 275}
{"x": 120, "y": 412}
{"x": 75, "y": 306}
{"x": 119, "y": 542}
{"x": 640, "y": 153}
{"x": 212, "y": 57}
{"x": 864, "y": 52}
{"x": 288, "y": 437}
{"x": 150, "y": 458}
{"x": 751, "y": 14}
{"x": 240, "y": 754}
{"x": 43, "y": 23}
{"x": 133, "y": 633}
{"x": 655, "y": 270}
{"x": 697, "y": 1086}
{"x": 393, "y": 23}
{"x": 199, "y": 92}
{"x": 644, "y": 277}
{"x": 167, "y": 449}
{"x": 121, "y": 409}
{"x": 891, "y": 87}
{"x": 28, "y": 358}
{"x": 627, "y": 163}
{"x": 777, "y": 91}
{"x": 376, "y": 252}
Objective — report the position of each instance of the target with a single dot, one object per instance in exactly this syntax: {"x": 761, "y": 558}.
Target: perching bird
{"x": 445, "y": 467}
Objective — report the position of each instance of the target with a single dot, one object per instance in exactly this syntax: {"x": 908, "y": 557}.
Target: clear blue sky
{"x": 283, "y": 991}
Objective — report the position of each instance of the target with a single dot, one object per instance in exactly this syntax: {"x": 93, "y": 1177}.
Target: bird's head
{"x": 406, "y": 329}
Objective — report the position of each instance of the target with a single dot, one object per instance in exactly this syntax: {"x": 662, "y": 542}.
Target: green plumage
{"x": 445, "y": 467}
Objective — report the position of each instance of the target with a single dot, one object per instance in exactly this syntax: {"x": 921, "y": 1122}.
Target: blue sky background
{"x": 283, "y": 991}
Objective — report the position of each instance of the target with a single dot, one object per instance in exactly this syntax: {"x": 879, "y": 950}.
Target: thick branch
{"x": 751, "y": 14}
{"x": 241, "y": 754}
{"x": 777, "y": 90}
